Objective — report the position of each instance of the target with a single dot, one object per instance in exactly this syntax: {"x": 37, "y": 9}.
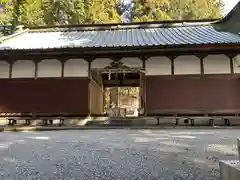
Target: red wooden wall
{"x": 47, "y": 95}
{"x": 219, "y": 93}
{"x": 163, "y": 94}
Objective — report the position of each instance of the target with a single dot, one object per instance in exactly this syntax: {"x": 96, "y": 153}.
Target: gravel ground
{"x": 188, "y": 154}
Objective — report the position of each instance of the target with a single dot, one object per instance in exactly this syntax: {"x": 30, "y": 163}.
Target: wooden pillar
{"x": 172, "y": 58}
{"x": 63, "y": 61}
{"x": 89, "y": 88}
{"x": 231, "y": 65}
{"x": 62, "y": 68}
{"x": 114, "y": 91}
{"x": 231, "y": 56}
{"x": 11, "y": 62}
{"x": 144, "y": 59}
{"x": 143, "y": 98}
{"x": 36, "y": 68}
{"x": 89, "y": 60}
{"x": 238, "y": 145}
{"x": 201, "y": 57}
{"x": 201, "y": 66}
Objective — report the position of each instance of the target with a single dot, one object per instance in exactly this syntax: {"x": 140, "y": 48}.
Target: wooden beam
{"x": 201, "y": 57}
{"x": 172, "y": 58}
{"x": 10, "y": 69}
{"x": 231, "y": 65}
{"x": 144, "y": 59}
{"x": 201, "y": 66}
{"x": 112, "y": 53}
{"x": 231, "y": 56}
{"x": 144, "y": 64}
{"x": 62, "y": 68}
{"x": 89, "y": 69}
{"x": 63, "y": 61}
{"x": 36, "y": 69}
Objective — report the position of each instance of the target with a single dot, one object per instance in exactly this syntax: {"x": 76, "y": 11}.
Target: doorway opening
{"x": 123, "y": 90}
{"x": 126, "y": 102}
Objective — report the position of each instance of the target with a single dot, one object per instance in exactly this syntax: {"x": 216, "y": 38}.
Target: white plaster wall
{"x": 187, "y": 65}
{"x": 76, "y": 68}
{"x": 236, "y": 64}
{"x": 100, "y": 63}
{"x": 216, "y": 64}
{"x": 4, "y": 69}
{"x": 49, "y": 68}
{"x": 23, "y": 69}
{"x": 158, "y": 66}
{"x": 132, "y": 62}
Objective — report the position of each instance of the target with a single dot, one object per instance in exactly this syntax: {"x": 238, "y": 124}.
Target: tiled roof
{"x": 151, "y": 35}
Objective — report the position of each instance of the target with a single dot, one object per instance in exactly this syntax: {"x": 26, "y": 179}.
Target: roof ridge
{"x": 122, "y": 24}
{"x": 173, "y": 25}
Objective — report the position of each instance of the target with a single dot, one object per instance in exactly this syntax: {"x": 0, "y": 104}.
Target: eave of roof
{"x": 4, "y": 38}
{"x": 146, "y": 51}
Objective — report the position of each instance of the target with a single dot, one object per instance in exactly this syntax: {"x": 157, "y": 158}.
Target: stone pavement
{"x": 83, "y": 124}
{"x": 172, "y": 154}
{"x": 58, "y": 128}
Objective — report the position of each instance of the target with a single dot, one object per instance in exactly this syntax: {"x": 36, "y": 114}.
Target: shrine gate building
{"x": 180, "y": 67}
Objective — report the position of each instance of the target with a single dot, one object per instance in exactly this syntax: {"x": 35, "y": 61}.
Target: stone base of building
{"x": 128, "y": 121}
{"x": 230, "y": 170}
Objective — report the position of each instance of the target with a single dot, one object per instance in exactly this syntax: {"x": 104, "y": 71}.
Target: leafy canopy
{"x": 53, "y": 12}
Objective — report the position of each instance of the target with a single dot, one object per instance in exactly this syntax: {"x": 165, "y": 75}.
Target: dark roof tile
{"x": 121, "y": 37}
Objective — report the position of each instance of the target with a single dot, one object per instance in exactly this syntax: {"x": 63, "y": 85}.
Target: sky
{"x": 229, "y": 4}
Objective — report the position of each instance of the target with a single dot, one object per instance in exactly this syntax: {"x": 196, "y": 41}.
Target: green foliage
{"x": 64, "y": 11}
{"x": 53, "y": 12}
{"x": 195, "y": 9}
{"x": 7, "y": 14}
{"x": 31, "y": 13}
{"x": 152, "y": 10}
{"x": 104, "y": 11}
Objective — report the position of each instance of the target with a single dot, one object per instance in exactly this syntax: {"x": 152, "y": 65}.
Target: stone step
{"x": 126, "y": 121}
{"x": 115, "y": 121}
{"x": 89, "y": 123}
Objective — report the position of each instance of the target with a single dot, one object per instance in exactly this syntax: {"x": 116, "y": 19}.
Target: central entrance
{"x": 122, "y": 101}
{"x": 123, "y": 90}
